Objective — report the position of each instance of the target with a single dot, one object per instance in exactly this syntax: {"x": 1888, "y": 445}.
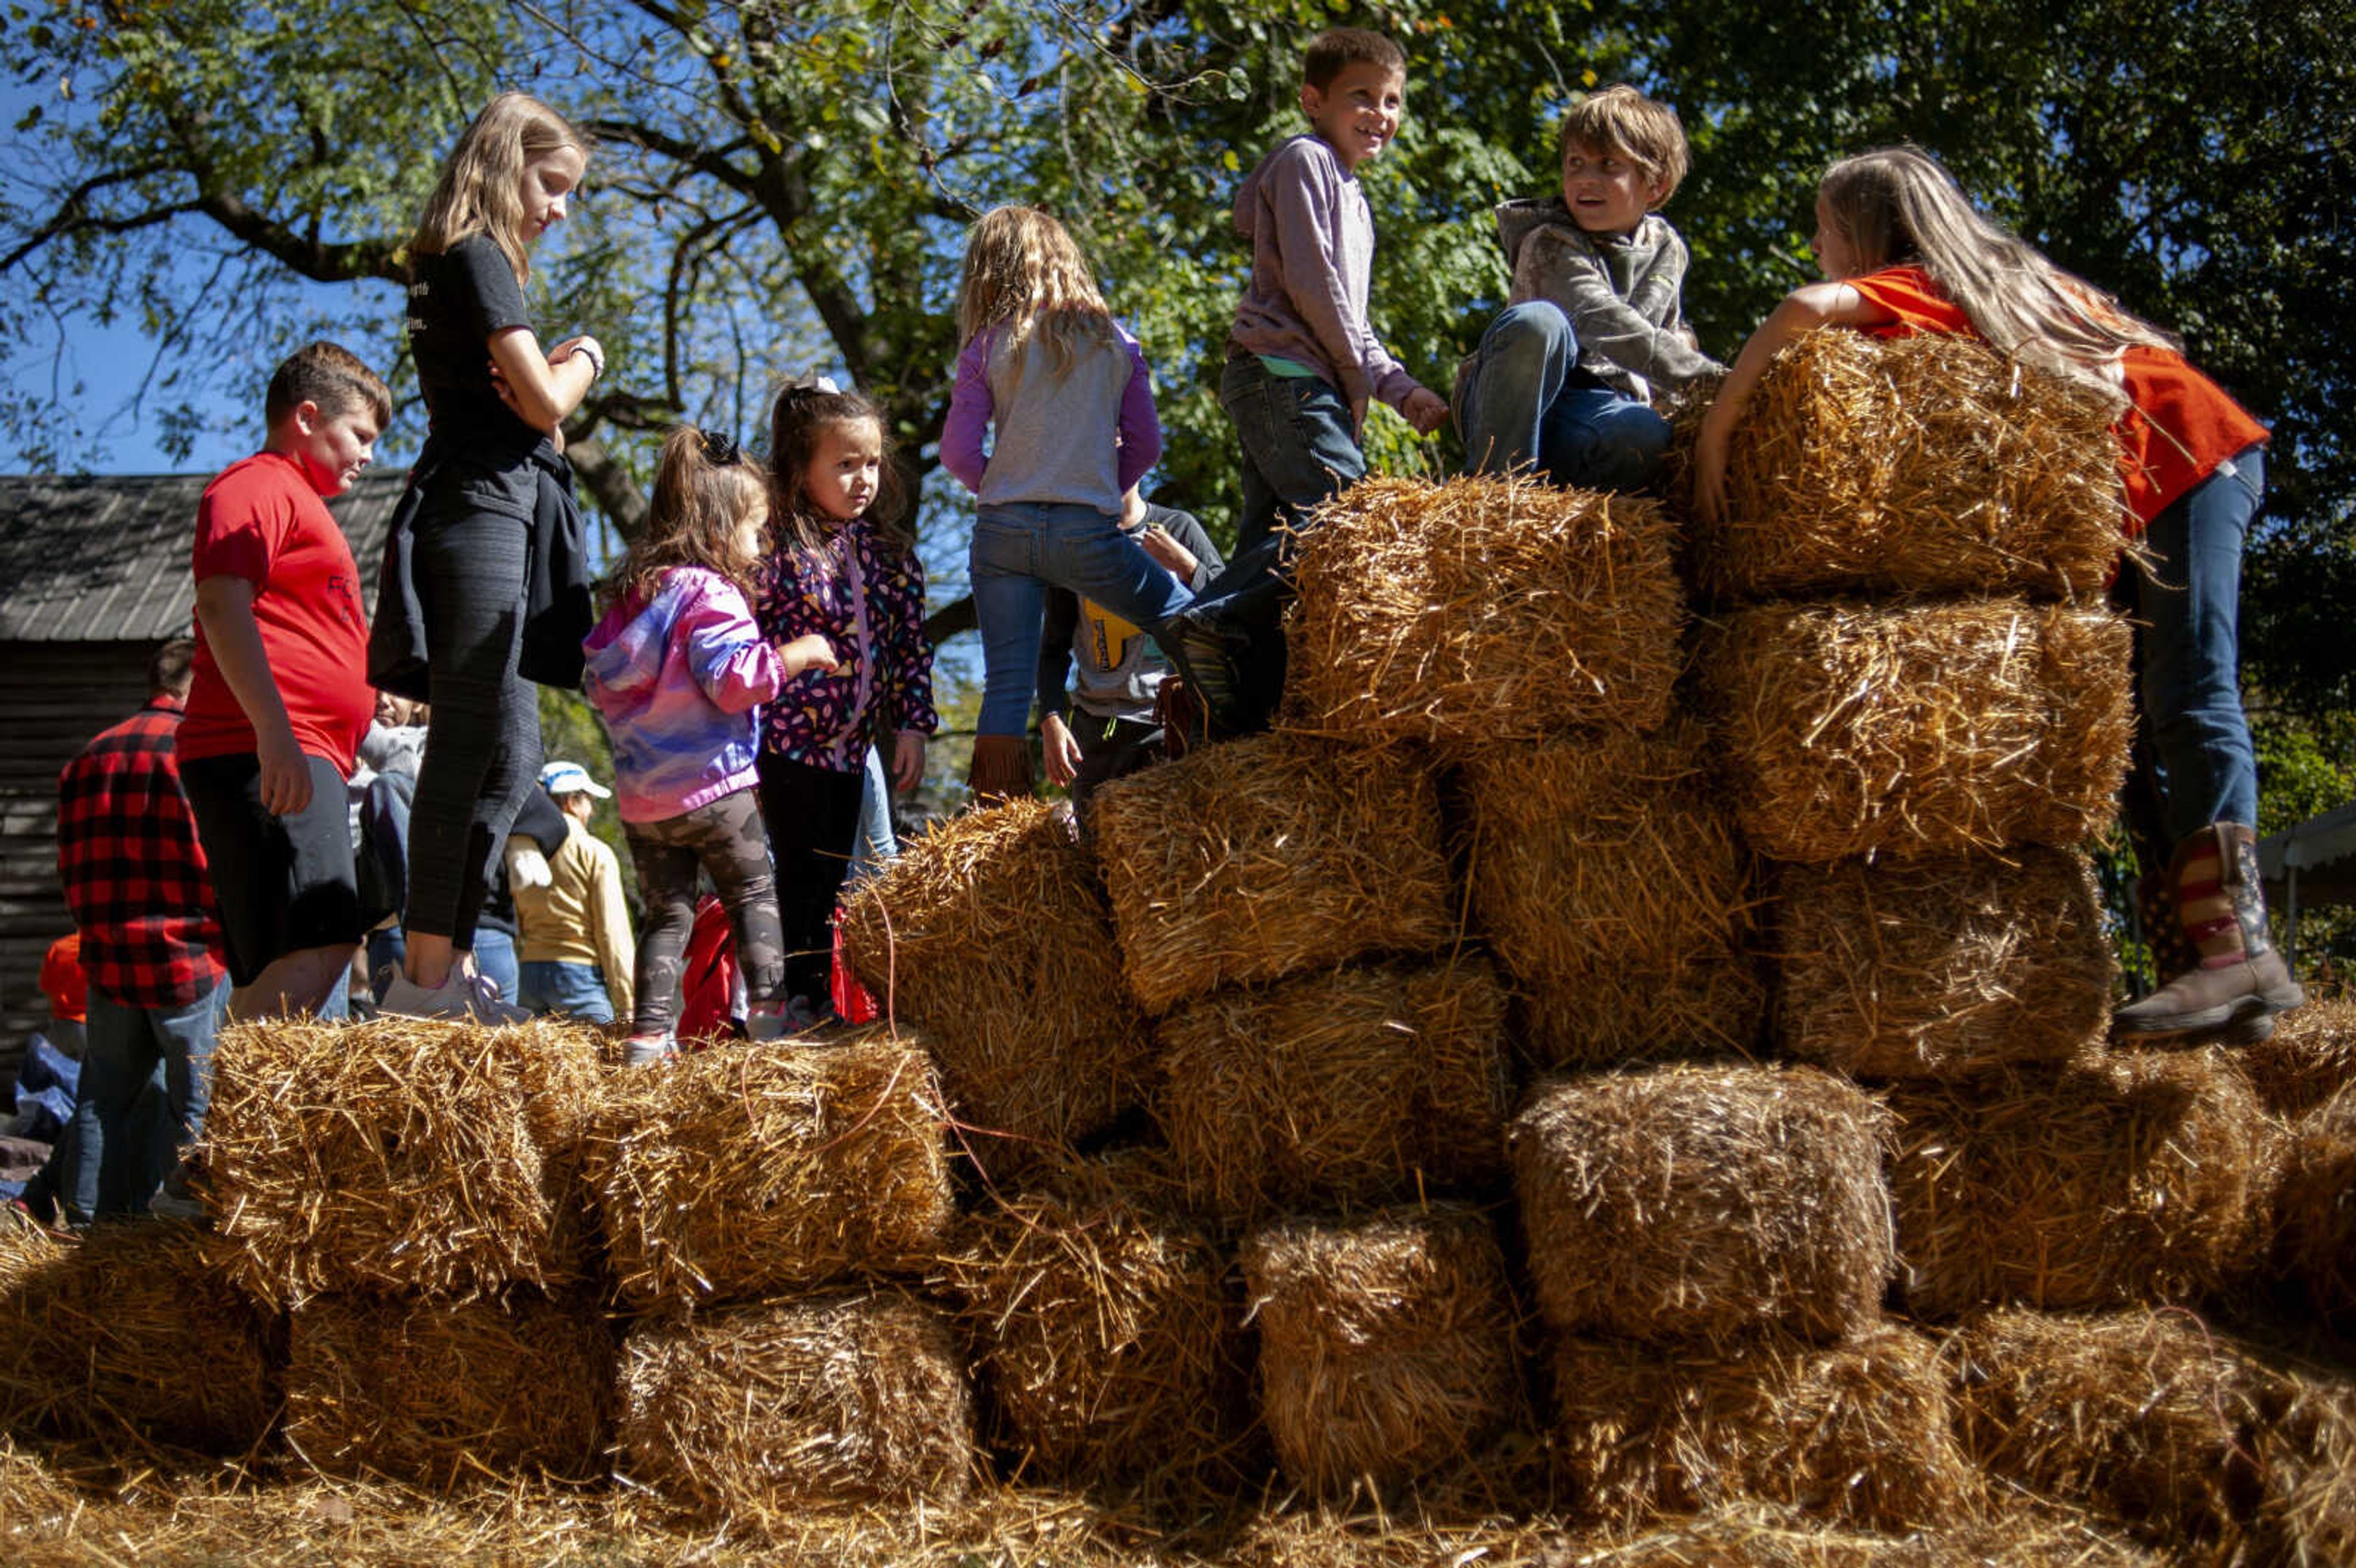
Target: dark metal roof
{"x": 105, "y": 559}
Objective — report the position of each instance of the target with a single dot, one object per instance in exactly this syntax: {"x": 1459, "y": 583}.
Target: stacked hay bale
{"x": 989, "y": 934}
{"x": 409, "y": 1190}
{"x": 1709, "y": 1244}
{"x": 768, "y": 1211}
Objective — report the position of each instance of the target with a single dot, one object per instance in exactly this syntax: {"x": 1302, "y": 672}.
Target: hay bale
{"x": 1330, "y": 1091}
{"x": 1943, "y": 967}
{"x": 1693, "y": 1202}
{"x": 2132, "y": 1177}
{"x": 449, "y": 1395}
{"x": 1862, "y": 1432}
{"x": 768, "y": 1410}
{"x": 1478, "y": 610}
{"x": 1941, "y": 729}
{"x": 2182, "y": 1434}
{"x": 1917, "y": 465}
{"x": 1607, "y": 875}
{"x": 1267, "y": 856}
{"x": 1110, "y": 1347}
{"x": 2315, "y": 1210}
{"x": 400, "y": 1157}
{"x": 132, "y": 1335}
{"x": 1386, "y": 1347}
{"x": 746, "y": 1171}
{"x": 2310, "y": 1058}
{"x": 991, "y": 934}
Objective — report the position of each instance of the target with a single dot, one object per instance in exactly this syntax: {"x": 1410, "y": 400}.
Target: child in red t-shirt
{"x": 1903, "y": 250}
{"x": 277, "y": 701}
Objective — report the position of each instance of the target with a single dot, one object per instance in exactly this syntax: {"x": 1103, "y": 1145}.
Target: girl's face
{"x": 845, "y": 469}
{"x": 1836, "y": 257}
{"x": 544, "y": 184}
{"x": 752, "y": 531}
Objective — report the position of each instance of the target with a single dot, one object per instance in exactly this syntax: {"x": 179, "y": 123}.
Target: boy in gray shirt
{"x": 1565, "y": 375}
{"x": 1303, "y": 363}
{"x": 1104, "y": 726}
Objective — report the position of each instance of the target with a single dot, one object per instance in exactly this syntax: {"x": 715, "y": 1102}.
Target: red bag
{"x": 852, "y": 1002}
{"x": 707, "y": 977}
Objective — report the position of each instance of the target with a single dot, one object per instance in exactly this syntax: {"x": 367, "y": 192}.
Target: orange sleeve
{"x": 1916, "y": 304}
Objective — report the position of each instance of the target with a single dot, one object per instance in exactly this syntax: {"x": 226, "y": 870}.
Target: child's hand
{"x": 1168, "y": 553}
{"x": 907, "y": 759}
{"x": 583, "y": 344}
{"x": 1709, "y": 472}
{"x": 1425, "y": 409}
{"x": 812, "y": 652}
{"x": 285, "y": 782}
{"x": 1059, "y": 748}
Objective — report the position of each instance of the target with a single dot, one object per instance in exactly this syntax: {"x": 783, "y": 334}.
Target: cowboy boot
{"x": 1001, "y": 768}
{"x": 2220, "y": 910}
{"x": 2173, "y": 955}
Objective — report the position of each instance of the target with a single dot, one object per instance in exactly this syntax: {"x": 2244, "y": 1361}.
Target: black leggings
{"x": 813, "y": 818}
{"x": 482, "y": 750}
{"x": 724, "y": 839}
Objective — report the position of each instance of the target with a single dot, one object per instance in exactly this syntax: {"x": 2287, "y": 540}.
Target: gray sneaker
{"x": 460, "y": 995}
{"x": 645, "y": 1051}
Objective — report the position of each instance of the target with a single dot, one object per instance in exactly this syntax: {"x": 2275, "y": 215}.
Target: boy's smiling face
{"x": 1606, "y": 192}
{"x": 1357, "y": 112}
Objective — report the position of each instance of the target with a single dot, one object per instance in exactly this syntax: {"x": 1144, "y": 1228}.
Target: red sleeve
{"x": 1916, "y": 304}
{"x": 241, "y": 526}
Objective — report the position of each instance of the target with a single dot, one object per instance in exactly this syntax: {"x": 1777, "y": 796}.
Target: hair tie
{"x": 720, "y": 448}
{"x": 813, "y": 383}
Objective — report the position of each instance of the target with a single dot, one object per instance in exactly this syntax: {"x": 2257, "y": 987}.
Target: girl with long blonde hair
{"x": 489, "y": 482}
{"x": 1903, "y": 250}
{"x": 1044, "y": 365}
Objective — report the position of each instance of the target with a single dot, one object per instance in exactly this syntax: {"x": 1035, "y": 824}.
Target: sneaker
{"x": 169, "y": 1205}
{"x": 460, "y": 995}
{"x": 646, "y": 1049}
{"x": 799, "y": 1018}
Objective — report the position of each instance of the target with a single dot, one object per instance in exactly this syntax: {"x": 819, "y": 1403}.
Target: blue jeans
{"x": 1020, "y": 547}
{"x": 1300, "y": 445}
{"x": 2189, "y": 642}
{"x": 1525, "y": 402}
{"x": 147, "y": 1084}
{"x": 876, "y": 845}
{"x": 495, "y": 958}
{"x": 552, "y": 986}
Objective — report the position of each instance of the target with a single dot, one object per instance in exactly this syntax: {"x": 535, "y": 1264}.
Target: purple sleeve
{"x": 736, "y": 666}
{"x": 1141, "y": 427}
{"x": 971, "y": 408}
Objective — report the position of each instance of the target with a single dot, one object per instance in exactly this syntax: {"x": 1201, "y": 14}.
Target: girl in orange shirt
{"x": 1903, "y": 250}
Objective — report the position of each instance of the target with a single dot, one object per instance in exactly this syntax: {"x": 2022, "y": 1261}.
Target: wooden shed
{"x": 93, "y": 576}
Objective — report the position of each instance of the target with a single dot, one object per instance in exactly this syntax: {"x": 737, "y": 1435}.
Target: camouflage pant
{"x": 724, "y": 838}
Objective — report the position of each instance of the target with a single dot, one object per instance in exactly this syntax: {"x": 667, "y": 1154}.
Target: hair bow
{"x": 814, "y": 383}
{"x": 720, "y": 448}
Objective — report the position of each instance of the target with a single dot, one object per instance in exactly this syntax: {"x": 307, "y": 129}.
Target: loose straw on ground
{"x": 991, "y": 934}
{"x": 1481, "y": 610}
{"x": 1945, "y": 728}
{"x": 1336, "y": 1091}
{"x": 740, "y": 1172}
{"x": 1692, "y": 1203}
{"x": 1943, "y": 967}
{"x": 1258, "y": 859}
{"x": 1607, "y": 874}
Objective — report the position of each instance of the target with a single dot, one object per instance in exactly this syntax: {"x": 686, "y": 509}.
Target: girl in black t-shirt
{"x": 490, "y": 466}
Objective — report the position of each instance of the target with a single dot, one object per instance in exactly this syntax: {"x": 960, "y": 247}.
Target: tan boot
{"x": 2237, "y": 979}
{"x": 1001, "y": 768}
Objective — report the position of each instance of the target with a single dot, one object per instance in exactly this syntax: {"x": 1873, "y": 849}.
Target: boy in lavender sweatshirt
{"x": 1302, "y": 361}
